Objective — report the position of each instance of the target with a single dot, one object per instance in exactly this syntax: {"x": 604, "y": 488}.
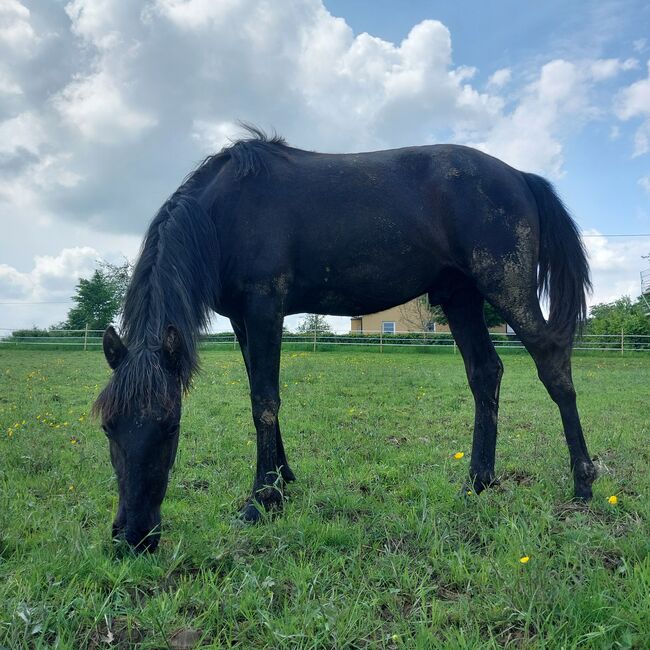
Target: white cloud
{"x": 41, "y": 296}
{"x": 51, "y": 274}
{"x": 615, "y": 265}
{"x": 500, "y": 78}
{"x": 16, "y": 32}
{"x": 603, "y": 69}
{"x": 644, "y": 182}
{"x": 24, "y": 131}
{"x": 558, "y": 101}
{"x": 558, "y": 92}
{"x": 95, "y": 105}
{"x": 123, "y": 97}
{"x": 8, "y": 85}
{"x": 634, "y": 101}
{"x": 213, "y": 136}
{"x": 14, "y": 284}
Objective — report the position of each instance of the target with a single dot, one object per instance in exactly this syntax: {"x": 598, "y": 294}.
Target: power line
{"x": 639, "y": 234}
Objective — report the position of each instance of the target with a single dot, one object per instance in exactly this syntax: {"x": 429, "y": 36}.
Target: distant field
{"x": 375, "y": 547}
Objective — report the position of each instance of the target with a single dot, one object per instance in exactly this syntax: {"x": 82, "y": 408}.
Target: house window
{"x": 388, "y": 327}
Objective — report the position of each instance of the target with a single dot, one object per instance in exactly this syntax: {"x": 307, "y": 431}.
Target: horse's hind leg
{"x": 464, "y": 311}
{"x": 282, "y": 463}
{"x": 552, "y": 356}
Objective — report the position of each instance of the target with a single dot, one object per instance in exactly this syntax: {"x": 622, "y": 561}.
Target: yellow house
{"x": 412, "y": 316}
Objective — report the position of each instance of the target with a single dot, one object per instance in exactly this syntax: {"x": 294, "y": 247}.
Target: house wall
{"x": 406, "y": 319}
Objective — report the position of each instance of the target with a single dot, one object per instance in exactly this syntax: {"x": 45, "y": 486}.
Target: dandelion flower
{"x": 613, "y": 500}
{"x": 524, "y": 559}
{"x": 459, "y": 454}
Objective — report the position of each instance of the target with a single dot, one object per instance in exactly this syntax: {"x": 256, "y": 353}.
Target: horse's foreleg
{"x": 464, "y": 311}
{"x": 286, "y": 471}
{"x": 263, "y": 339}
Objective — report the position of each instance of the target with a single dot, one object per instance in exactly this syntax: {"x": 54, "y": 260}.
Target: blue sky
{"x": 106, "y": 105}
{"x": 600, "y": 183}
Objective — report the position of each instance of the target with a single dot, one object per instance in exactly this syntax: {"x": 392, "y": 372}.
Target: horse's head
{"x": 140, "y": 410}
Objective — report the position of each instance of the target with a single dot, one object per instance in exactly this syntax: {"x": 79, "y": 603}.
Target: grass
{"x": 375, "y": 548}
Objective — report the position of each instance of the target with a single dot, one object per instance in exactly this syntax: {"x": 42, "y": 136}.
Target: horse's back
{"x": 373, "y": 229}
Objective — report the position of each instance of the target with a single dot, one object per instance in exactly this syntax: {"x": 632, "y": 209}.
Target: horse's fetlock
{"x": 585, "y": 472}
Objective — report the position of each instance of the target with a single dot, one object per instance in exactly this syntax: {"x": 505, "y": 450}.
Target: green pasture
{"x": 377, "y": 546}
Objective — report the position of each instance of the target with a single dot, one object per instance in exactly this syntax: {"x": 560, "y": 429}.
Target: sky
{"x": 105, "y": 105}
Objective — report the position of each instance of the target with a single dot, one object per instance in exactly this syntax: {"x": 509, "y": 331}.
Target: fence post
{"x": 622, "y": 340}
{"x": 86, "y": 338}
{"x": 381, "y": 339}
{"x": 315, "y": 334}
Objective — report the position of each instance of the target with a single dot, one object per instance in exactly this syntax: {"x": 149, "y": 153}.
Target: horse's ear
{"x": 172, "y": 347}
{"x": 114, "y": 349}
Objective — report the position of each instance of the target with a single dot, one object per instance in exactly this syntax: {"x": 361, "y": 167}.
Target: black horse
{"x": 262, "y": 230}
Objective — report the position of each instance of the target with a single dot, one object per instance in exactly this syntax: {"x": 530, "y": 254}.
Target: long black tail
{"x": 563, "y": 273}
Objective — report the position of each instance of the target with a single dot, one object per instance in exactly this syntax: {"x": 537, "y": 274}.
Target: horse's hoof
{"x": 583, "y": 493}
{"x": 251, "y": 513}
{"x": 479, "y": 482}
{"x": 584, "y": 474}
{"x": 287, "y": 474}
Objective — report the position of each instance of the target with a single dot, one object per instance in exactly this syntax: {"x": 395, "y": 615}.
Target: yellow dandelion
{"x": 613, "y": 500}
{"x": 395, "y": 637}
{"x": 71, "y": 488}
{"x": 73, "y": 441}
{"x": 524, "y": 559}
{"x": 469, "y": 493}
{"x": 459, "y": 454}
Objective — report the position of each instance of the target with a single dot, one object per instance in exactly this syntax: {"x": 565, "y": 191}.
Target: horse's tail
{"x": 563, "y": 273}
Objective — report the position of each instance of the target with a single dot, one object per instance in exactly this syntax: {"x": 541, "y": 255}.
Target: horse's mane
{"x": 176, "y": 282}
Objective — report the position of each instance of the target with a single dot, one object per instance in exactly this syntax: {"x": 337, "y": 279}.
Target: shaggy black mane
{"x": 176, "y": 282}
{"x": 248, "y": 156}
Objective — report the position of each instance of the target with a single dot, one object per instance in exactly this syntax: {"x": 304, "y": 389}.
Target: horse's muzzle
{"x": 140, "y": 535}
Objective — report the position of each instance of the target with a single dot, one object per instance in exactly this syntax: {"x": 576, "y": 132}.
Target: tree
{"x": 99, "y": 298}
{"x": 620, "y": 315}
{"x": 418, "y": 314}
{"x": 314, "y": 323}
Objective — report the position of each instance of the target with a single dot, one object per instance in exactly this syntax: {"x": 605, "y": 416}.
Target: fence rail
{"x": 87, "y": 339}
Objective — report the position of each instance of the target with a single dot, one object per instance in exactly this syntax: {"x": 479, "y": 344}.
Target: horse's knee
{"x": 265, "y": 411}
